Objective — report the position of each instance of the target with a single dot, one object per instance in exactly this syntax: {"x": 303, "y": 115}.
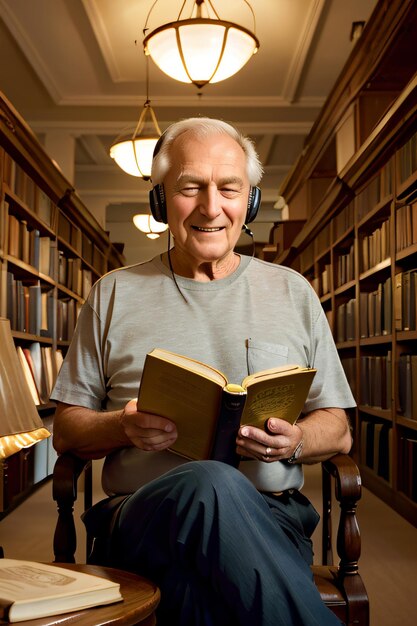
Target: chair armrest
{"x": 348, "y": 492}
{"x": 67, "y": 470}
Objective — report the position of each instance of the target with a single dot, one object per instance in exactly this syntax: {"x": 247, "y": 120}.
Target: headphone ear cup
{"x": 254, "y": 203}
{"x": 157, "y": 203}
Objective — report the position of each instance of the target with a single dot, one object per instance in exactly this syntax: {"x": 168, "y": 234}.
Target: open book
{"x": 208, "y": 410}
{"x": 30, "y": 590}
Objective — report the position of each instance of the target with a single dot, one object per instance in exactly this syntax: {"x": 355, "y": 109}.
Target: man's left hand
{"x": 277, "y": 444}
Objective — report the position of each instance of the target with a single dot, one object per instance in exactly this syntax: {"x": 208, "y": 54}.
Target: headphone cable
{"x": 172, "y": 269}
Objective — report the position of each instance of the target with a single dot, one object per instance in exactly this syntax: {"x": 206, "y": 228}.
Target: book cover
{"x": 208, "y": 410}
{"x": 30, "y": 590}
{"x": 28, "y": 375}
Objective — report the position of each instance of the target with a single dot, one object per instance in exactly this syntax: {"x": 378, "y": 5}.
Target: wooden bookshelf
{"x": 358, "y": 246}
{"x": 52, "y": 250}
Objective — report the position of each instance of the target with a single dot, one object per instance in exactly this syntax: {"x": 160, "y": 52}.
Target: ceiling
{"x": 73, "y": 71}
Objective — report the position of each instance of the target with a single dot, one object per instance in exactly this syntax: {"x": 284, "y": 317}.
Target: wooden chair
{"x": 340, "y": 586}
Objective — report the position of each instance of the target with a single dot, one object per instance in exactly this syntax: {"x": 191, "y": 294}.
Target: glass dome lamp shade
{"x": 148, "y": 225}
{"x": 134, "y": 155}
{"x": 200, "y": 50}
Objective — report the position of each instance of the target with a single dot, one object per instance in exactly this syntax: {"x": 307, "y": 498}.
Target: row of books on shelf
{"x": 40, "y": 367}
{"x": 73, "y": 236}
{"x": 325, "y": 279}
{"x": 405, "y": 300}
{"x": 73, "y": 275}
{"x": 321, "y": 283}
{"x": 375, "y": 247}
{"x": 24, "y": 469}
{"x": 30, "y": 309}
{"x": 376, "y": 443}
{"x": 379, "y": 188}
{"x": 408, "y": 466}
{"x": 27, "y": 244}
{"x": 67, "y": 315}
{"x": 406, "y": 226}
{"x": 345, "y": 267}
{"x": 346, "y": 321}
{"x": 343, "y": 221}
{"x": 375, "y": 380}
{"x": 408, "y": 158}
{"x": 25, "y": 188}
{"x": 41, "y": 253}
{"x": 376, "y": 310}
{"x": 37, "y": 201}
{"x": 407, "y": 385}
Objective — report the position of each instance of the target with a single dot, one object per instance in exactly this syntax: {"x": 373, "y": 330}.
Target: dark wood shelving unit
{"x": 39, "y": 207}
{"x": 370, "y": 191}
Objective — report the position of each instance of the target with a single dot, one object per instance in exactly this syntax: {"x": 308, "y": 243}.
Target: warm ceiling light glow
{"x": 202, "y": 49}
{"x": 134, "y": 156}
{"x": 147, "y": 224}
{"x": 133, "y": 153}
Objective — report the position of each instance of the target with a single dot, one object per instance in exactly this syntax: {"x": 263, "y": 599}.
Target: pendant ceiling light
{"x": 201, "y": 49}
{"x": 147, "y": 224}
{"x": 133, "y": 153}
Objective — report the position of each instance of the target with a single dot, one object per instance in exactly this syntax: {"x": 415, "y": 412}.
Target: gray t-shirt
{"x": 261, "y": 316}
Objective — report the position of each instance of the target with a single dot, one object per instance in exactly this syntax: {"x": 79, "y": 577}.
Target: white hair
{"x": 203, "y": 127}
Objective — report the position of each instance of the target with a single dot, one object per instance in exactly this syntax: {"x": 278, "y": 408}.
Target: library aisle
{"x": 389, "y": 545}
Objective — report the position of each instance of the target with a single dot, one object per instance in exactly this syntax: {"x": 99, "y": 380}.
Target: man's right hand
{"x": 147, "y": 431}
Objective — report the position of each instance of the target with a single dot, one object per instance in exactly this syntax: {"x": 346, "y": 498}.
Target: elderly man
{"x": 226, "y": 546}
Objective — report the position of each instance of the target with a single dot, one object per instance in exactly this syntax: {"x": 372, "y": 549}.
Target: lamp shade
{"x": 133, "y": 153}
{"x": 20, "y": 424}
{"x": 200, "y": 50}
{"x": 134, "y": 156}
{"x": 147, "y": 224}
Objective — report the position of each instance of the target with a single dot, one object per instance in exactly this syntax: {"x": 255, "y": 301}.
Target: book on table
{"x": 30, "y": 590}
{"x": 208, "y": 410}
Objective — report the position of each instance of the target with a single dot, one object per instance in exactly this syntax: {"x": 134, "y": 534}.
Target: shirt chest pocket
{"x": 263, "y": 355}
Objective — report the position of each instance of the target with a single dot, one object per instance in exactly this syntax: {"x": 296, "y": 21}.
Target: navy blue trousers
{"x": 221, "y": 553}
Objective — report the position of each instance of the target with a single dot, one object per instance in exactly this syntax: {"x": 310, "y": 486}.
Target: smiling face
{"x": 206, "y": 191}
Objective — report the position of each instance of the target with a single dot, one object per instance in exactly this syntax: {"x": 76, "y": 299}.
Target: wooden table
{"x": 140, "y": 599}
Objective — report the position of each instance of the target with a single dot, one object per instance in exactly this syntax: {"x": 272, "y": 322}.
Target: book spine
{"x": 224, "y": 445}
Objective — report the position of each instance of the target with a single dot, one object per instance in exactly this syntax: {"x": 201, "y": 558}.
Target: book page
{"x": 22, "y": 580}
{"x": 192, "y": 365}
{"x": 282, "y": 397}
{"x": 282, "y": 370}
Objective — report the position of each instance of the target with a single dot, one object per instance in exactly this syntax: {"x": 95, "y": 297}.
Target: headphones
{"x": 158, "y": 204}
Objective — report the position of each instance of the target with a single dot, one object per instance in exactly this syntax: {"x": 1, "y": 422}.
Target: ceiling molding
{"x": 100, "y": 31}
{"x": 94, "y": 148}
{"x": 302, "y": 50}
{"x": 24, "y": 41}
